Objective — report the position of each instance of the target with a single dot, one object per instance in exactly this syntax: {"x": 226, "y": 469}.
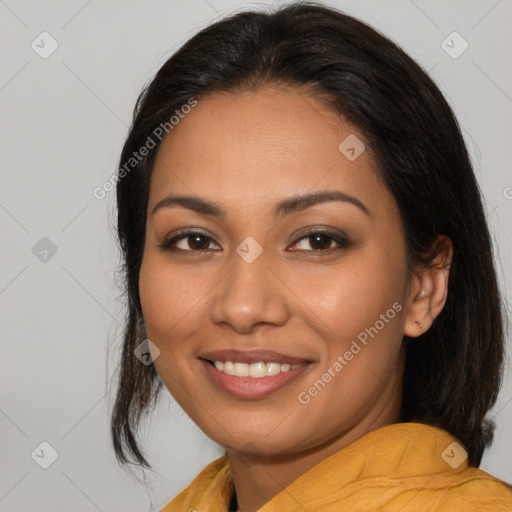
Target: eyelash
{"x": 343, "y": 243}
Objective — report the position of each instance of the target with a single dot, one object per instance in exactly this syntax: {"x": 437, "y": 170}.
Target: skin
{"x": 246, "y": 152}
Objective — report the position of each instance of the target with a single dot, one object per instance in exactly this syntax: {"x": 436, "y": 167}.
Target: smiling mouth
{"x": 255, "y": 380}
{"x": 256, "y": 370}
{"x": 253, "y": 374}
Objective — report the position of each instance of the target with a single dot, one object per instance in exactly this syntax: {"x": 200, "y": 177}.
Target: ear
{"x": 429, "y": 289}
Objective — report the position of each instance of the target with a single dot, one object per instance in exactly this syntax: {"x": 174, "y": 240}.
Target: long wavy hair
{"x": 453, "y": 371}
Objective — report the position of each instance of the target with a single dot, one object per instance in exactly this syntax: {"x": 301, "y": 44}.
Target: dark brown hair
{"x": 453, "y": 371}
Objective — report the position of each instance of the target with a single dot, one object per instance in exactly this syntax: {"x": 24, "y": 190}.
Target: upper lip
{"x": 251, "y": 356}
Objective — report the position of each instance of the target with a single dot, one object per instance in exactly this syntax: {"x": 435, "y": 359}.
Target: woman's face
{"x": 293, "y": 271}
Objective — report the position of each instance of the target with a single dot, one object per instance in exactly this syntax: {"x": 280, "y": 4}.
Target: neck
{"x": 258, "y": 478}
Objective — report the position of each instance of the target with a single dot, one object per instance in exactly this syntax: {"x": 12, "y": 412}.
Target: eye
{"x": 190, "y": 241}
{"x": 320, "y": 241}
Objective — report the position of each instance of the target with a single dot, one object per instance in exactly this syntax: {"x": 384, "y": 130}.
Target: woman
{"x": 309, "y": 272}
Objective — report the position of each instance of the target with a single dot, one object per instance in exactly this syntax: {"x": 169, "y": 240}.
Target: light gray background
{"x": 63, "y": 122}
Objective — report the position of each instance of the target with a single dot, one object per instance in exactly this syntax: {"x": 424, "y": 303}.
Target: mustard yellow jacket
{"x": 404, "y": 467}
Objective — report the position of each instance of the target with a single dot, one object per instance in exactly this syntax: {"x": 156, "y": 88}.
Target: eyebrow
{"x": 285, "y": 207}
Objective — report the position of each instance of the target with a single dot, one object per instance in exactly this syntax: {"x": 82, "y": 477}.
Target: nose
{"x": 249, "y": 296}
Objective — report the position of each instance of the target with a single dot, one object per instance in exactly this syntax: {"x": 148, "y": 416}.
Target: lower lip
{"x": 250, "y": 388}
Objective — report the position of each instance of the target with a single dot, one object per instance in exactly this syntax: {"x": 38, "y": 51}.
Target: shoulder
{"x": 482, "y": 491}
{"x": 472, "y": 490}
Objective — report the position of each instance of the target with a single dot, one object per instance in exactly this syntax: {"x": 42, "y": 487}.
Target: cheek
{"x": 165, "y": 305}
{"x": 168, "y": 297}
{"x": 360, "y": 317}
{"x": 358, "y": 309}
{"x": 156, "y": 290}
{"x": 345, "y": 299}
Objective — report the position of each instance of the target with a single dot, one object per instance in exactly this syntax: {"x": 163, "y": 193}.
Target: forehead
{"x": 260, "y": 146}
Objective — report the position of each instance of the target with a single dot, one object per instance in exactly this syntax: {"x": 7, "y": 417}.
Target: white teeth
{"x": 258, "y": 370}
{"x": 229, "y": 368}
{"x": 241, "y": 369}
{"x": 254, "y": 370}
{"x": 273, "y": 369}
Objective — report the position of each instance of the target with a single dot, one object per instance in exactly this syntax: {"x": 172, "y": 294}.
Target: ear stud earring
{"x": 420, "y": 325}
